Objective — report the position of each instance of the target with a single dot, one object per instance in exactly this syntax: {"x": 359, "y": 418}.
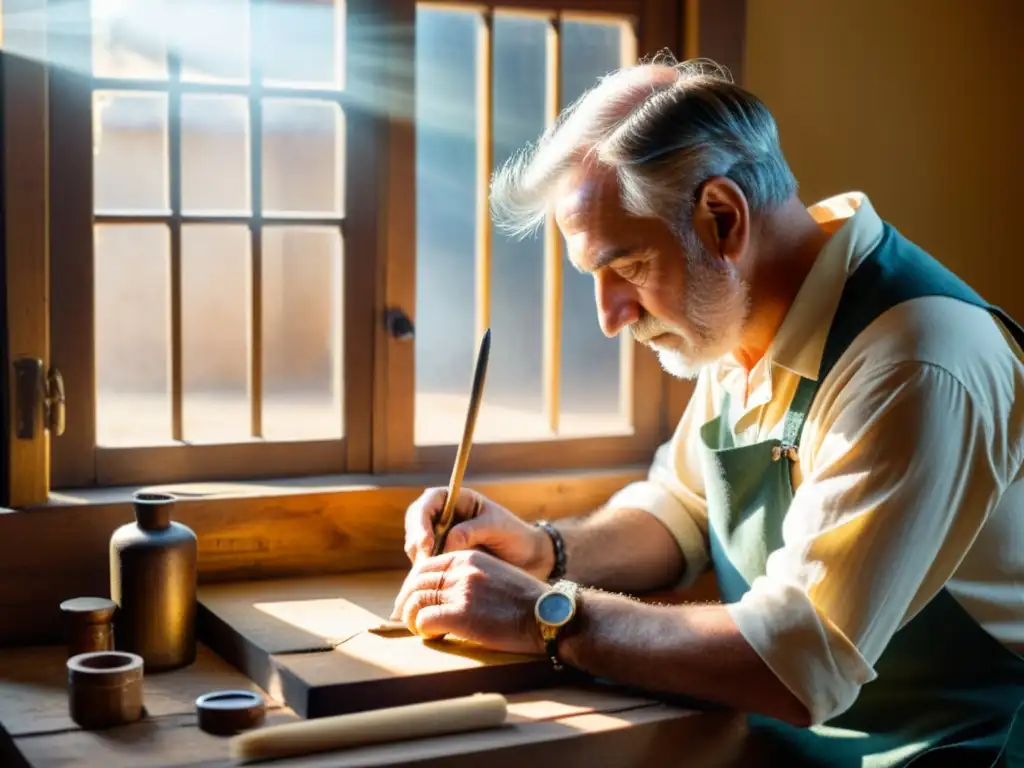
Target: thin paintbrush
{"x": 447, "y": 518}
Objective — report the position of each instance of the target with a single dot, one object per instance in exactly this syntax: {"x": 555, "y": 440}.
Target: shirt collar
{"x": 800, "y": 341}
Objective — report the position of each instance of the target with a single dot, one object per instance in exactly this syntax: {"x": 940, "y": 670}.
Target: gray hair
{"x": 664, "y": 127}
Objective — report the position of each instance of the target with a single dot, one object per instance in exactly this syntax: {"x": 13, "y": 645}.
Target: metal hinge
{"x": 37, "y": 394}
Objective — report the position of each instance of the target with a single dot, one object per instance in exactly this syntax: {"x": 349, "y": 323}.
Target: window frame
{"x": 379, "y": 250}
{"x": 23, "y": 90}
{"x": 656, "y": 24}
{"x": 77, "y": 461}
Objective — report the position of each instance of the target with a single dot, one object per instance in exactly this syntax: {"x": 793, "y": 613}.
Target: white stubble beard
{"x": 716, "y": 304}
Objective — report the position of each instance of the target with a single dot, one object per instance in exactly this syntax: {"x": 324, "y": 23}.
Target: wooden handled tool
{"x": 433, "y": 718}
{"x": 447, "y": 518}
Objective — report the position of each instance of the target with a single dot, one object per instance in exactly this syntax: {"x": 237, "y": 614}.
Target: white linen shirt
{"x": 909, "y": 475}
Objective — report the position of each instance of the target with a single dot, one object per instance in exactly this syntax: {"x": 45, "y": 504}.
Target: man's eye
{"x": 634, "y": 270}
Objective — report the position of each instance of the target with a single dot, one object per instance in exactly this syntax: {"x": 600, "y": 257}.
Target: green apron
{"x": 947, "y": 692}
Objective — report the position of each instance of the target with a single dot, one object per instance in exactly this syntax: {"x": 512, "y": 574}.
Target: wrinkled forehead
{"x": 588, "y": 200}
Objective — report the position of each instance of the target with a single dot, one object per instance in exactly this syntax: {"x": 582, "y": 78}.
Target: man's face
{"x": 690, "y": 311}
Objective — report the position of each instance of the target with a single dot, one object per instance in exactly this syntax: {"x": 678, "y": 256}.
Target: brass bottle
{"x": 153, "y": 581}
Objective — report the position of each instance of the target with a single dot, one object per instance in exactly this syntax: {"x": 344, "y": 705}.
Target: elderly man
{"x": 850, "y": 463}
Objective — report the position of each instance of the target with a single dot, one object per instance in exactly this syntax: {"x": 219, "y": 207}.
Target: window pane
{"x": 129, "y": 38}
{"x": 214, "y": 153}
{"x": 302, "y": 333}
{"x": 303, "y": 157}
{"x": 215, "y": 280}
{"x": 514, "y": 406}
{"x": 445, "y": 222}
{"x": 590, "y": 371}
{"x": 132, "y": 274}
{"x": 130, "y": 151}
{"x": 212, "y": 38}
{"x": 301, "y": 43}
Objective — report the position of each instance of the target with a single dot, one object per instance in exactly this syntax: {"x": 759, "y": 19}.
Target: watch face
{"x": 555, "y": 609}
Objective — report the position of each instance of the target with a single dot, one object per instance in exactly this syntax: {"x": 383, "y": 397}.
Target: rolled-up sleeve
{"x": 673, "y": 491}
{"x": 899, "y": 477}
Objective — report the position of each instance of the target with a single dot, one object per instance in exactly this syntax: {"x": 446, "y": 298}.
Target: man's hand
{"x": 479, "y": 524}
{"x": 473, "y": 596}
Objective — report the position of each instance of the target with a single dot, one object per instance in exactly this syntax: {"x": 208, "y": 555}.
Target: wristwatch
{"x": 554, "y": 610}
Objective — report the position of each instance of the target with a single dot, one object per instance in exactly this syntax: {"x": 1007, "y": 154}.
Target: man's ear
{"x": 721, "y": 218}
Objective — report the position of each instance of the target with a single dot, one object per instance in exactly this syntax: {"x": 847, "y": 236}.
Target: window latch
{"x": 398, "y": 324}
{"x": 39, "y": 399}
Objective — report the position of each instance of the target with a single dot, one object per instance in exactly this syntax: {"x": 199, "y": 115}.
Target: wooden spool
{"x": 105, "y": 689}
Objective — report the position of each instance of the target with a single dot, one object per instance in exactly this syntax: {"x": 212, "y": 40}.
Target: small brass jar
{"x": 88, "y": 624}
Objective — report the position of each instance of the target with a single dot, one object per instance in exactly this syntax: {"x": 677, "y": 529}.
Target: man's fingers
{"x": 423, "y": 514}
{"x": 419, "y": 521}
{"x": 428, "y": 573}
{"x": 437, "y": 620}
{"x": 470, "y": 534}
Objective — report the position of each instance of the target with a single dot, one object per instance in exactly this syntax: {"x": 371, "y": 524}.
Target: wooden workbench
{"x": 554, "y": 727}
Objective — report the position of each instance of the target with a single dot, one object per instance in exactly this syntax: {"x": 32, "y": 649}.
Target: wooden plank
{"x": 566, "y": 453}
{"x": 615, "y": 734}
{"x": 599, "y": 9}
{"x": 365, "y": 209}
{"x": 72, "y": 293}
{"x": 174, "y": 177}
{"x": 254, "y": 531}
{"x": 722, "y": 33}
{"x": 33, "y": 688}
{"x": 26, "y": 230}
{"x": 552, "y": 241}
{"x": 395, "y": 359}
{"x": 255, "y": 459}
{"x": 256, "y": 226}
{"x": 691, "y": 29}
{"x": 306, "y": 641}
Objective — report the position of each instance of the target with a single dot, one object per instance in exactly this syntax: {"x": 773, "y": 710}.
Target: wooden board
{"x": 305, "y": 642}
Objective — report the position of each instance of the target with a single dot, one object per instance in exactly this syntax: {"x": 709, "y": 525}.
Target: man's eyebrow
{"x": 610, "y": 255}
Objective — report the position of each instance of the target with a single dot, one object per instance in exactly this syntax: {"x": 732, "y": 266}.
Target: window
{"x": 490, "y": 78}
{"x": 239, "y": 191}
{"x": 213, "y": 281}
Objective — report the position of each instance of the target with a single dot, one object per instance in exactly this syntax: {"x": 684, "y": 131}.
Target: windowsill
{"x": 317, "y": 485}
{"x": 255, "y": 529}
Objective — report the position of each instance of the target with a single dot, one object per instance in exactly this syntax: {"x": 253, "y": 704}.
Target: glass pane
{"x": 590, "y": 373}
{"x": 133, "y": 378}
{"x": 214, "y": 153}
{"x": 302, "y": 333}
{"x": 130, "y": 151}
{"x": 215, "y": 280}
{"x": 301, "y": 43}
{"x": 445, "y": 222}
{"x": 303, "y": 157}
{"x": 129, "y": 38}
{"x": 514, "y": 406}
{"x": 212, "y": 39}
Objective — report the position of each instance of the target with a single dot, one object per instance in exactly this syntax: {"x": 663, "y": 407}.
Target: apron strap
{"x": 799, "y": 407}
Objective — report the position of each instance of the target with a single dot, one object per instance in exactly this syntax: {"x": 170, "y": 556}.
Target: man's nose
{"x": 617, "y": 305}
